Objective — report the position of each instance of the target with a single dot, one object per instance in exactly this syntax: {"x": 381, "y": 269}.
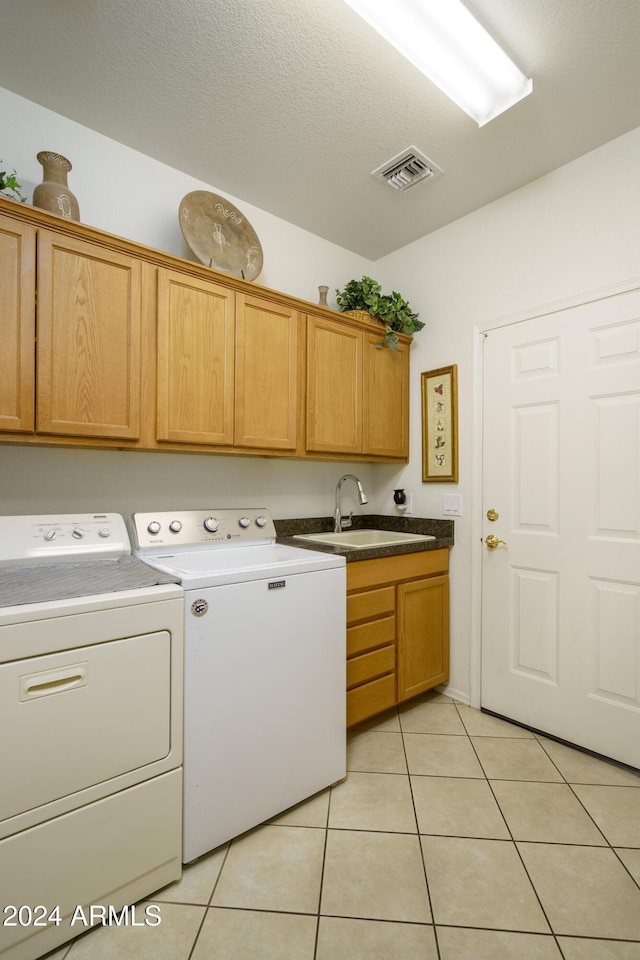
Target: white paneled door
{"x": 561, "y": 469}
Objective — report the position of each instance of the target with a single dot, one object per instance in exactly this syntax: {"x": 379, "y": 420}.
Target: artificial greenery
{"x": 8, "y": 182}
{"x": 390, "y": 309}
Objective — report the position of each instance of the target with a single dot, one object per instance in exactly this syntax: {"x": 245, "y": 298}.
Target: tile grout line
{"x": 324, "y": 861}
{"x": 513, "y": 841}
{"x": 207, "y": 905}
{"x": 422, "y": 856}
{"x": 601, "y": 832}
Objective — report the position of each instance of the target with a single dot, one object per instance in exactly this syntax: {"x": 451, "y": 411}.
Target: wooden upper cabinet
{"x": 88, "y": 349}
{"x": 195, "y": 360}
{"x": 107, "y": 343}
{"x": 385, "y": 429}
{"x": 334, "y": 387}
{"x": 266, "y": 374}
{"x": 357, "y": 391}
{"x": 17, "y": 325}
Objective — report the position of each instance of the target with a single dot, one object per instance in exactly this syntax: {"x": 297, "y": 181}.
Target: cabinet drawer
{"x": 395, "y": 569}
{"x": 370, "y": 698}
{"x": 373, "y": 603}
{"x": 368, "y": 636}
{"x": 368, "y": 666}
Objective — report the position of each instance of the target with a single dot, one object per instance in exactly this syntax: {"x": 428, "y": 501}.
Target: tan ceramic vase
{"x": 53, "y": 194}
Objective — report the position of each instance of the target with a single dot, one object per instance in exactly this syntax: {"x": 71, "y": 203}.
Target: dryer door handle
{"x": 43, "y": 684}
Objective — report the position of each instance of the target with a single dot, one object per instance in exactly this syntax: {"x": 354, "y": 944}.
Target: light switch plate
{"x": 452, "y": 504}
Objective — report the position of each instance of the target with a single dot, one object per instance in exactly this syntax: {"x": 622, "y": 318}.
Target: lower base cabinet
{"x": 397, "y": 630}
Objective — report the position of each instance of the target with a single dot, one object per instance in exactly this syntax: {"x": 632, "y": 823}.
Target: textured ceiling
{"x": 290, "y": 104}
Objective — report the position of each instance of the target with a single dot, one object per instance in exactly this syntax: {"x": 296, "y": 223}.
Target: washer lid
{"x": 209, "y": 568}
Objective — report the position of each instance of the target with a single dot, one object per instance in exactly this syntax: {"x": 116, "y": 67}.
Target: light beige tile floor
{"x": 456, "y": 836}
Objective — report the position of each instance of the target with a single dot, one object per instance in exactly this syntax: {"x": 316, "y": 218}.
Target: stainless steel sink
{"x": 363, "y": 539}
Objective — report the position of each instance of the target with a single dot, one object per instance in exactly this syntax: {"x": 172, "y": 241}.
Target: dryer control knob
{"x": 154, "y": 527}
{"x": 175, "y": 526}
{"x": 244, "y": 522}
{"x": 77, "y": 533}
{"x": 261, "y": 521}
{"x": 50, "y": 534}
{"x": 104, "y": 532}
{"x": 211, "y": 524}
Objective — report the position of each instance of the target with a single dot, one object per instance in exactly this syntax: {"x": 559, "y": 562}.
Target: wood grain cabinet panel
{"x": 196, "y": 324}
{"x": 385, "y": 409}
{"x": 370, "y": 698}
{"x": 334, "y": 387}
{"x": 266, "y": 375}
{"x": 367, "y": 636}
{"x": 397, "y": 630}
{"x": 357, "y": 391}
{"x": 17, "y": 325}
{"x": 372, "y": 603}
{"x": 370, "y": 666}
{"x": 423, "y": 635}
{"x": 88, "y": 349}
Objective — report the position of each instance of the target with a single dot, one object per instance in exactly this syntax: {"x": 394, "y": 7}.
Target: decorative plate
{"x": 220, "y": 235}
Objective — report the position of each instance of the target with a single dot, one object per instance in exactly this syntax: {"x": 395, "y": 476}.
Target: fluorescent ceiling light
{"x": 444, "y": 41}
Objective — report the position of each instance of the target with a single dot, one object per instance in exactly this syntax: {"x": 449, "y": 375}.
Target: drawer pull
{"x": 43, "y": 684}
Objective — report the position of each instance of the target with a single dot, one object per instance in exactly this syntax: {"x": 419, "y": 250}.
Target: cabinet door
{"x": 195, "y": 360}
{"x": 423, "y": 635}
{"x": 386, "y": 399}
{"x": 89, "y": 322}
{"x": 266, "y": 381}
{"x": 17, "y": 325}
{"x": 334, "y": 387}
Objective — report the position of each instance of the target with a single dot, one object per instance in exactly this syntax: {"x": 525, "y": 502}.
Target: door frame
{"x": 480, "y": 331}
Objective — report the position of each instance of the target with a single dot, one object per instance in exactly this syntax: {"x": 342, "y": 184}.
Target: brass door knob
{"x": 492, "y": 542}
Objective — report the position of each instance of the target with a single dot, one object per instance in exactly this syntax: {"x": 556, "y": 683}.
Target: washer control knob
{"x": 50, "y": 534}
{"x": 77, "y": 533}
{"x": 261, "y": 521}
{"x": 154, "y": 527}
{"x": 104, "y": 532}
{"x": 175, "y": 526}
{"x": 244, "y": 522}
{"x": 211, "y": 524}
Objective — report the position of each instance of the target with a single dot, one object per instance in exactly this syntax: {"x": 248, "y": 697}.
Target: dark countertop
{"x": 442, "y": 530}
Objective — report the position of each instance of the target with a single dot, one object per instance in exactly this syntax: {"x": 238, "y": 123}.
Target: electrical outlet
{"x": 452, "y": 505}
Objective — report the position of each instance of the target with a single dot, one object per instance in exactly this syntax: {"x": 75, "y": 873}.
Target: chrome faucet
{"x": 339, "y": 523}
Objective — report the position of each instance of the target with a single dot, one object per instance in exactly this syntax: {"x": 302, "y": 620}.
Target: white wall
{"x": 124, "y": 192}
{"x": 574, "y": 231}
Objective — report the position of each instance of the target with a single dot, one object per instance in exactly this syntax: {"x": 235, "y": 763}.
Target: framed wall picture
{"x": 440, "y": 425}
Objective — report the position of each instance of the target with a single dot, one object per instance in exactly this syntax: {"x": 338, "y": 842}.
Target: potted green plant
{"x": 392, "y": 310}
{"x": 8, "y": 182}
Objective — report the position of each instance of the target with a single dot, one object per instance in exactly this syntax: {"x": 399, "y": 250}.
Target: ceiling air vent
{"x": 407, "y": 169}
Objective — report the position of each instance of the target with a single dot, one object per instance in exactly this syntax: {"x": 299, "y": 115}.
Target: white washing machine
{"x": 91, "y": 682}
{"x": 265, "y": 655}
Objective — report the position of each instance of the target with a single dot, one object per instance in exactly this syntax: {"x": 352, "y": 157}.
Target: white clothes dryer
{"x": 91, "y": 683}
